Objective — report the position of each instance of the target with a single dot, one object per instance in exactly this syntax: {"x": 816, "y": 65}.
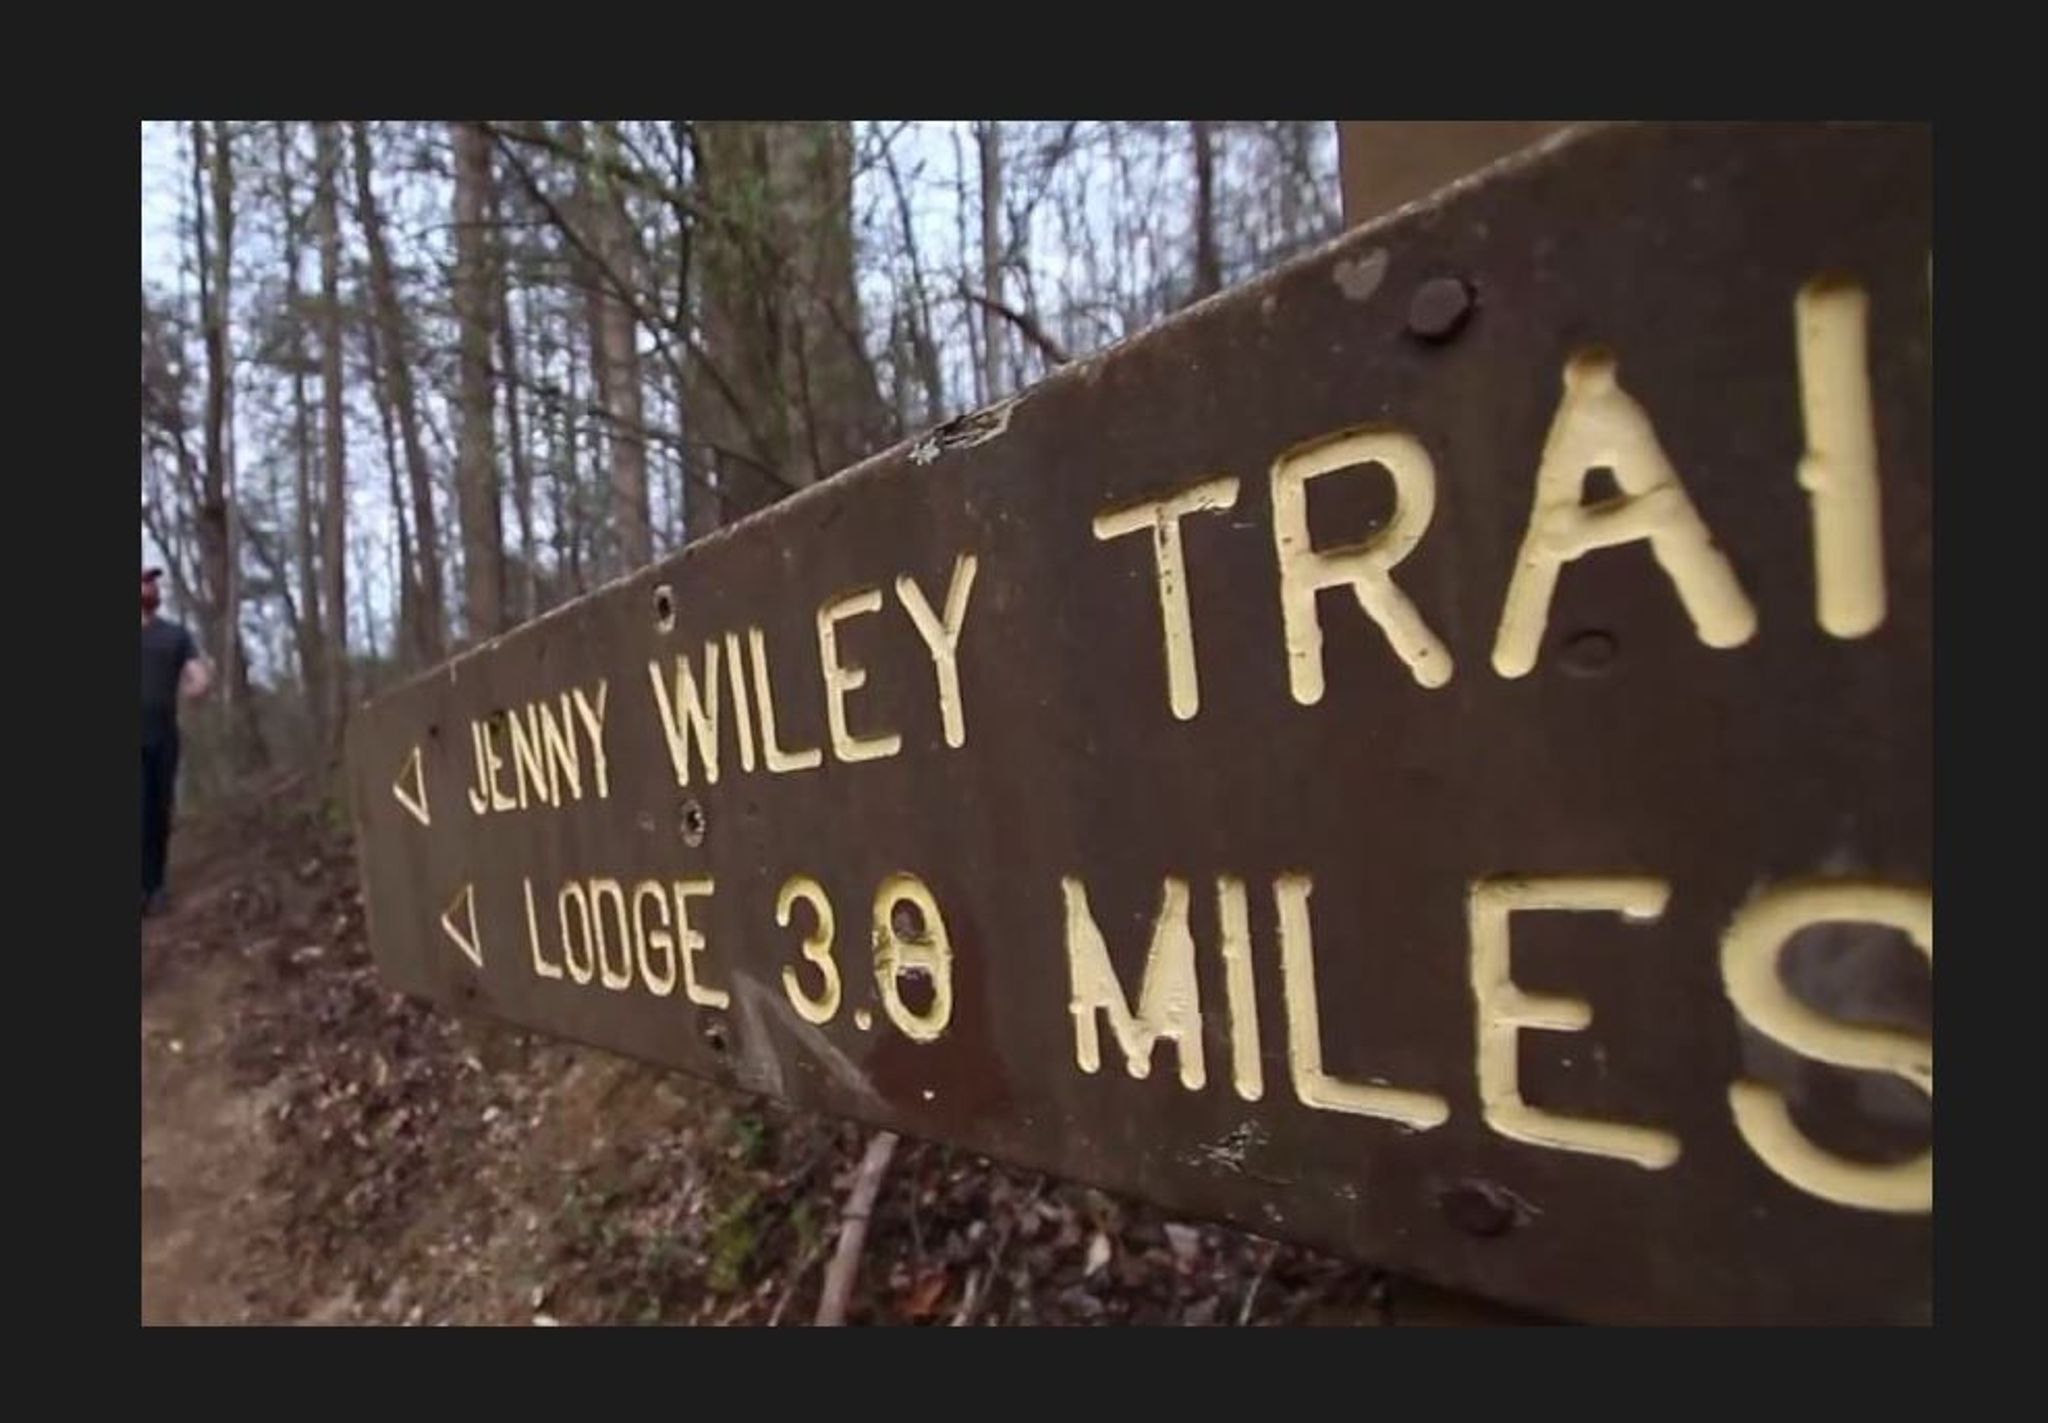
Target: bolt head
{"x": 1439, "y": 308}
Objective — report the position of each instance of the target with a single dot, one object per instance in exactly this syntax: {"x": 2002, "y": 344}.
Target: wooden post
{"x": 1387, "y": 163}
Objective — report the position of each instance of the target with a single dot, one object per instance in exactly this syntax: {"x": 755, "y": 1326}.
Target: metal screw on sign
{"x": 1439, "y": 308}
{"x": 1590, "y": 653}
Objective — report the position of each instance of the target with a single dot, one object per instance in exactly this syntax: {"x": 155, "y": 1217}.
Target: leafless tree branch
{"x": 1054, "y": 353}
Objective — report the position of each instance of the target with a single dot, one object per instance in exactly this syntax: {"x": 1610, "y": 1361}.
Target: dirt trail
{"x": 205, "y": 1143}
{"x": 203, "y": 1151}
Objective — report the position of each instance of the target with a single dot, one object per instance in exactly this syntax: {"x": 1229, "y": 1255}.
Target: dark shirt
{"x": 166, "y": 648}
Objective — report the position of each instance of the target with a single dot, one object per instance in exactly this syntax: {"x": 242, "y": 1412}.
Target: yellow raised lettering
{"x": 593, "y": 728}
{"x": 584, "y": 970}
{"x": 610, "y": 891}
{"x": 660, "y": 984}
{"x": 742, "y": 715}
{"x": 942, "y": 638}
{"x": 1599, "y": 426}
{"x": 1233, "y": 915}
{"x": 693, "y": 944}
{"x": 690, "y": 717}
{"x": 540, "y": 965}
{"x": 479, "y": 794}
{"x": 842, "y": 677}
{"x": 1504, "y": 1010}
{"x": 1169, "y": 569}
{"x": 1169, "y": 996}
{"x": 777, "y": 759}
{"x": 529, "y": 758}
{"x": 1839, "y": 472}
{"x": 564, "y": 760}
{"x": 1312, "y": 1085}
{"x": 1366, "y": 567}
{"x": 501, "y": 799}
{"x": 817, "y": 949}
{"x": 925, "y": 951}
{"x": 1749, "y": 972}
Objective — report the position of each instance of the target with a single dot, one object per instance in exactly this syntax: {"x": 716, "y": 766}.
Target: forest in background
{"x": 407, "y": 384}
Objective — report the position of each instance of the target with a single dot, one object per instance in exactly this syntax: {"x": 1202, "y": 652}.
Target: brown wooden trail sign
{"x": 1428, "y": 754}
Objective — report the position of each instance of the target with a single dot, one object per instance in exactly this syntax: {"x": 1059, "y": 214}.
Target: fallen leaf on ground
{"x": 925, "y": 1297}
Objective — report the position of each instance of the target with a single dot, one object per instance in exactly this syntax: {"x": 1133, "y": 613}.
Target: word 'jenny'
{"x": 614, "y": 936}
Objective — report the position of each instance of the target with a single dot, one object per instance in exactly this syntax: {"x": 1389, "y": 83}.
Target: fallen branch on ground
{"x": 853, "y": 1229}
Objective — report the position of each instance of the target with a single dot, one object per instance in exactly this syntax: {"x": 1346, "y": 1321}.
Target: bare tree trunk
{"x": 1208, "y": 269}
{"x": 621, "y": 362}
{"x": 217, "y": 510}
{"x": 164, "y": 380}
{"x": 703, "y": 501}
{"x": 369, "y": 642}
{"x": 432, "y": 623}
{"x": 554, "y": 422}
{"x": 924, "y": 347}
{"x": 334, "y": 527}
{"x": 977, "y": 369}
{"x": 989, "y": 136}
{"x": 739, "y": 320}
{"x": 1017, "y": 259}
{"x": 675, "y": 466}
{"x": 410, "y": 613}
{"x": 312, "y": 657}
{"x": 586, "y": 277}
{"x": 279, "y": 638}
{"x": 569, "y": 488}
{"x": 1120, "y": 243}
{"x": 703, "y": 493}
{"x": 780, "y": 307}
{"x": 220, "y": 425}
{"x": 483, "y": 545}
{"x": 213, "y": 509}
{"x": 406, "y": 642}
{"x": 810, "y": 167}
{"x": 522, "y": 469}
{"x": 1293, "y": 143}
{"x": 902, "y": 365}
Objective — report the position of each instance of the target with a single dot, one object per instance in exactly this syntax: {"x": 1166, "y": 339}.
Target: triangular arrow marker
{"x": 470, "y": 944}
{"x": 414, "y": 800}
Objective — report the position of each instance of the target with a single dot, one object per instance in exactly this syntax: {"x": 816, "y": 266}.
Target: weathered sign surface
{"x": 1428, "y": 753}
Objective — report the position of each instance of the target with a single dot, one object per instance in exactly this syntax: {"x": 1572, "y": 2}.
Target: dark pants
{"x": 159, "y": 785}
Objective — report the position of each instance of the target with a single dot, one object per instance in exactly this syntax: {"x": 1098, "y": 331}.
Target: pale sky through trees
{"x": 1097, "y": 220}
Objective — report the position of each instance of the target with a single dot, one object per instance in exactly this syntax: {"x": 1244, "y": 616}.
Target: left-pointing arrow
{"x": 471, "y": 945}
{"x": 413, "y": 798}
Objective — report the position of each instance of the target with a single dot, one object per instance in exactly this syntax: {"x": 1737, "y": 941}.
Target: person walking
{"x": 171, "y": 668}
